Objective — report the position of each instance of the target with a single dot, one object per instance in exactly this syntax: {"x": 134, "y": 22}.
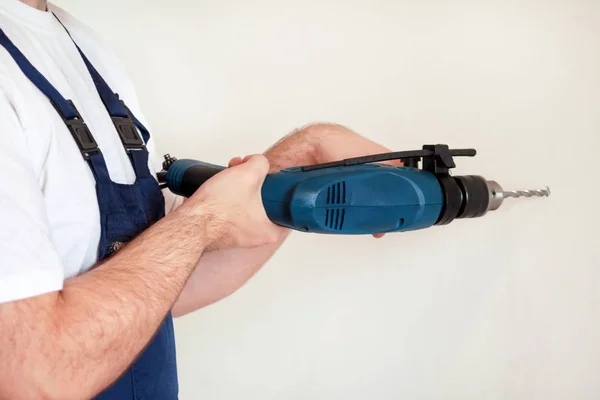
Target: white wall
{"x": 504, "y": 307}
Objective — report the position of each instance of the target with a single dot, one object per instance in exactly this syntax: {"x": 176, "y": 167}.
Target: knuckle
{"x": 260, "y": 162}
{"x": 270, "y": 236}
{"x": 273, "y": 238}
{"x": 250, "y": 178}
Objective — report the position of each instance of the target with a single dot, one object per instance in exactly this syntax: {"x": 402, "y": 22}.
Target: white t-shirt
{"x": 49, "y": 216}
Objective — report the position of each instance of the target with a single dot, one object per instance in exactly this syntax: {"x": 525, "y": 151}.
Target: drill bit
{"x": 527, "y": 193}
{"x": 497, "y": 194}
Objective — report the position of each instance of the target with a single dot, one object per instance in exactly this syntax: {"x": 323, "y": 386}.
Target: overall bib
{"x": 125, "y": 211}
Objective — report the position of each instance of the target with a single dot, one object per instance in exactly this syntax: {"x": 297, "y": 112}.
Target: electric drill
{"x": 362, "y": 195}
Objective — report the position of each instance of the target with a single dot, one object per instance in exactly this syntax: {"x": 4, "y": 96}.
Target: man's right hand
{"x": 233, "y": 200}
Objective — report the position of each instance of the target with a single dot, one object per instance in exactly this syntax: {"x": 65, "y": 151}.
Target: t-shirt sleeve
{"x": 29, "y": 263}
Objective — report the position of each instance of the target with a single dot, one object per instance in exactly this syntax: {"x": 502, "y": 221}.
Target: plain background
{"x": 503, "y": 307}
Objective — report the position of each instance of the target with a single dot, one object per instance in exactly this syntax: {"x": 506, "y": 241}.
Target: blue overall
{"x": 125, "y": 211}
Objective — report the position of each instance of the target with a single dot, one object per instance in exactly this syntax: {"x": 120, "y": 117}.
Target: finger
{"x": 235, "y": 161}
{"x": 255, "y": 163}
{"x": 258, "y": 162}
{"x": 378, "y": 235}
{"x": 255, "y": 168}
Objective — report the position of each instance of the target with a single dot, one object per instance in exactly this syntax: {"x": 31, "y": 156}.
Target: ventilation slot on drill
{"x": 334, "y": 217}
{"x": 336, "y": 193}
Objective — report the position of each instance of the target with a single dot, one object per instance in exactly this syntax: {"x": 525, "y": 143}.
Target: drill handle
{"x": 184, "y": 177}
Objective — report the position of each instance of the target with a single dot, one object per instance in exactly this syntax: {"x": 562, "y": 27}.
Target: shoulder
{"x": 104, "y": 57}
{"x": 82, "y": 32}
{"x": 99, "y": 51}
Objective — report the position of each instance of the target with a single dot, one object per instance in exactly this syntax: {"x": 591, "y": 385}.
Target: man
{"x": 94, "y": 259}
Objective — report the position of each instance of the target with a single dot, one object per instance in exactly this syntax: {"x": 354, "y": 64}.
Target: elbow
{"x": 45, "y": 394}
{"x": 40, "y": 385}
{"x": 63, "y": 395}
{"x": 27, "y": 389}
{"x": 315, "y": 133}
{"x": 39, "y": 357}
{"x": 43, "y": 375}
{"x": 187, "y": 304}
{"x": 63, "y": 391}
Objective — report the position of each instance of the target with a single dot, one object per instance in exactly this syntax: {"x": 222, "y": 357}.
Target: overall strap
{"x": 65, "y": 108}
{"x": 125, "y": 122}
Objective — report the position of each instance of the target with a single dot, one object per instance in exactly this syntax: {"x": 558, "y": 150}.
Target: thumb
{"x": 257, "y": 165}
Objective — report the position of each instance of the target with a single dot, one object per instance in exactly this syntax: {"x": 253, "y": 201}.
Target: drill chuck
{"x": 466, "y": 196}
{"x": 476, "y": 196}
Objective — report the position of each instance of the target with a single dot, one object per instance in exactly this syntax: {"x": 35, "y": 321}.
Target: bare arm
{"x": 86, "y": 335}
{"x": 73, "y": 343}
{"x": 221, "y": 273}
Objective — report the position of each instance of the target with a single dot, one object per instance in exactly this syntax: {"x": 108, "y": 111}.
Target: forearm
{"x": 76, "y": 342}
{"x": 221, "y": 273}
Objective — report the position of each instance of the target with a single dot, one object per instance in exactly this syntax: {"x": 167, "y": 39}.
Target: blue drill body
{"x": 360, "y": 199}
{"x": 362, "y": 196}
{"x": 348, "y": 200}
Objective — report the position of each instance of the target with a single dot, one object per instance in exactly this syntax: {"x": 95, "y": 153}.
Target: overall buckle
{"x": 81, "y": 133}
{"x": 83, "y": 137}
{"x": 128, "y": 133}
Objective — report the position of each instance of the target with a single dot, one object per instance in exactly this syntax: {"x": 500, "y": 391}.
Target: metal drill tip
{"x": 527, "y": 193}
{"x": 498, "y": 195}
